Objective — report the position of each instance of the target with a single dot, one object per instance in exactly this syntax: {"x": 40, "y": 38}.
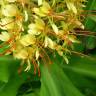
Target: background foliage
{"x": 78, "y": 78}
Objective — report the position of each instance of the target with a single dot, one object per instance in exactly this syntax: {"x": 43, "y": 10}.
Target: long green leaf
{"x": 55, "y": 82}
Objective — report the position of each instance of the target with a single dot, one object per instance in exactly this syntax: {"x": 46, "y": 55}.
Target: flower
{"x": 44, "y": 10}
{"x": 37, "y": 27}
{"x": 32, "y": 27}
{"x": 49, "y": 43}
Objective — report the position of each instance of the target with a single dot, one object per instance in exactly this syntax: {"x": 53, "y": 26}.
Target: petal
{"x": 27, "y": 40}
{"x": 21, "y": 54}
{"x": 9, "y": 10}
{"x": 4, "y": 36}
{"x": 8, "y": 23}
{"x": 40, "y": 2}
{"x": 37, "y": 54}
{"x": 72, "y": 7}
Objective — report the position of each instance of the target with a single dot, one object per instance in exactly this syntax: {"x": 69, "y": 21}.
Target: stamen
{"x": 36, "y": 67}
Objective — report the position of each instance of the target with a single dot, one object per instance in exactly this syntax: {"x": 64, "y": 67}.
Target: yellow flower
{"x": 29, "y": 30}
{"x": 49, "y": 43}
{"x": 38, "y": 12}
{"x": 43, "y": 10}
{"x": 27, "y": 40}
{"x": 21, "y": 54}
{"x": 33, "y": 30}
{"x": 37, "y": 27}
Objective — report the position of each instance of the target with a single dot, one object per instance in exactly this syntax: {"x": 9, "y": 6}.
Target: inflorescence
{"x": 31, "y": 28}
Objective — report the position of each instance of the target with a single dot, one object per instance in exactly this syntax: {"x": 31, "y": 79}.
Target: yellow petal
{"x": 49, "y": 43}
{"x": 8, "y": 23}
{"x": 40, "y": 2}
{"x": 79, "y": 24}
{"x": 21, "y": 54}
{"x": 55, "y": 28}
{"x": 33, "y": 30}
{"x": 27, "y": 40}
{"x": 72, "y": 7}
{"x": 4, "y": 36}
{"x": 28, "y": 66}
{"x": 26, "y": 15}
{"x": 9, "y": 10}
{"x": 73, "y": 39}
{"x": 11, "y": 0}
{"x": 37, "y": 54}
{"x": 45, "y": 8}
{"x": 39, "y": 23}
{"x": 38, "y": 12}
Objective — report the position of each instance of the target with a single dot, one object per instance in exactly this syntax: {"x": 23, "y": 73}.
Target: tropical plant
{"x": 47, "y": 48}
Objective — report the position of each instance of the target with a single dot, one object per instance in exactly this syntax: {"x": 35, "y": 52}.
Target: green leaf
{"x": 82, "y": 65}
{"x": 36, "y": 93}
{"x": 78, "y": 47}
{"x": 91, "y": 43}
{"x": 90, "y": 24}
{"x": 11, "y": 88}
{"x": 9, "y": 74}
{"x": 5, "y": 66}
{"x": 93, "y": 18}
{"x": 85, "y": 84}
{"x": 55, "y": 82}
{"x": 91, "y": 5}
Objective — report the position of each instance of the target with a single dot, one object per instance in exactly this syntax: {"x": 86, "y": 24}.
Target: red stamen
{"x": 36, "y": 67}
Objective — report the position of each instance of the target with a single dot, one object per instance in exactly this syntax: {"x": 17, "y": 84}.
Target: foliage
{"x": 77, "y": 78}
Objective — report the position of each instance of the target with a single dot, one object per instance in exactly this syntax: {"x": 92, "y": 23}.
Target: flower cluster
{"x": 29, "y": 28}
